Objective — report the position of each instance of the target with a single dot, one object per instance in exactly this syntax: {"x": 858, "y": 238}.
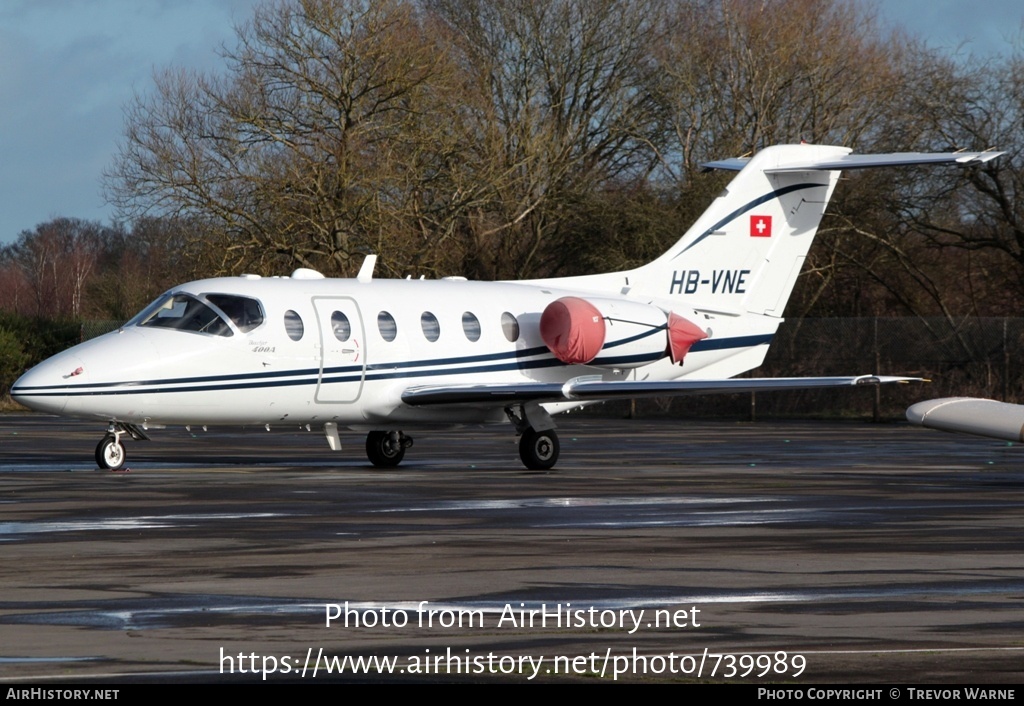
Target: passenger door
{"x": 342, "y": 350}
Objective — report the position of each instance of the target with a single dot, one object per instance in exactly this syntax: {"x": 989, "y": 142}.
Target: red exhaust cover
{"x": 681, "y": 335}
{"x": 572, "y": 329}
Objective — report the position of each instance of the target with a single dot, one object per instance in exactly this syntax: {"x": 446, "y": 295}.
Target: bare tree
{"x": 970, "y": 104}
{"x": 327, "y": 129}
{"x": 510, "y": 138}
{"x": 15, "y": 292}
{"x": 137, "y": 265}
{"x": 941, "y": 242}
{"x": 738, "y": 76}
{"x": 561, "y": 105}
{"x": 445, "y": 134}
{"x": 57, "y": 259}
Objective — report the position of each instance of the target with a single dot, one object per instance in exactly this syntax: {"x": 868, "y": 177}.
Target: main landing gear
{"x": 539, "y": 449}
{"x": 110, "y": 453}
{"x": 386, "y": 448}
{"x": 538, "y": 442}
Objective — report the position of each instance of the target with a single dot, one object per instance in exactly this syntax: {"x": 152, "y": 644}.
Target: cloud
{"x": 67, "y": 69}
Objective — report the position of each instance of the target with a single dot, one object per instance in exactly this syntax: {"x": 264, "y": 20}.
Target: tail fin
{"x": 745, "y": 252}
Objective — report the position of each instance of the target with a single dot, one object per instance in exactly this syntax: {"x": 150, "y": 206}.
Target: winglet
{"x": 366, "y": 269}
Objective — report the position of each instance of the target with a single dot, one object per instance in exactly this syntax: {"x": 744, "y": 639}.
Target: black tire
{"x": 110, "y": 453}
{"x": 539, "y": 449}
{"x": 381, "y": 451}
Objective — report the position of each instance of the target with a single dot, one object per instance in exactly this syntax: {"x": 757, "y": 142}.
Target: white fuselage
{"x": 344, "y": 350}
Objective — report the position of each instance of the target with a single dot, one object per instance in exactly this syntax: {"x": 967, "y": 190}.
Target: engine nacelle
{"x": 615, "y": 333}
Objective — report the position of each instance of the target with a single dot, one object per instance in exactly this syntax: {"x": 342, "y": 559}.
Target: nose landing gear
{"x": 110, "y": 453}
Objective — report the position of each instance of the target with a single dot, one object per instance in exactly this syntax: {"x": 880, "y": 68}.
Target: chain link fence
{"x": 976, "y": 357}
{"x": 961, "y": 357}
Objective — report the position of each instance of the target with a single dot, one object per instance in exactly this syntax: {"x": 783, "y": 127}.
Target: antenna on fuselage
{"x": 366, "y": 269}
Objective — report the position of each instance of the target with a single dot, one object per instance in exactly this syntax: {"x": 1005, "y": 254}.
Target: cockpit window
{"x": 245, "y": 312}
{"x": 185, "y": 313}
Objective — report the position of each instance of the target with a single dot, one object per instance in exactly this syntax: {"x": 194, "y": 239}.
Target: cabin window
{"x": 246, "y": 313}
{"x": 183, "y": 312}
{"x": 471, "y": 326}
{"x": 341, "y": 326}
{"x": 431, "y": 327}
{"x": 510, "y": 327}
{"x": 293, "y": 325}
{"x": 387, "y": 326}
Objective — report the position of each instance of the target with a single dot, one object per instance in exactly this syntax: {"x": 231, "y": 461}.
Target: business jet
{"x": 971, "y": 415}
{"x": 386, "y": 356}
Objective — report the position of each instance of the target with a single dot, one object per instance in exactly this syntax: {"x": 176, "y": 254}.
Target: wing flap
{"x": 595, "y": 389}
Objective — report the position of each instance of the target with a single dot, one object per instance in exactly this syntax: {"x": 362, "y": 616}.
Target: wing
{"x": 592, "y": 388}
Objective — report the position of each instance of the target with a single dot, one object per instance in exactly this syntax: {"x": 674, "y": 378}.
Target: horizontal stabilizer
{"x": 863, "y": 161}
{"x": 595, "y": 389}
{"x": 970, "y": 415}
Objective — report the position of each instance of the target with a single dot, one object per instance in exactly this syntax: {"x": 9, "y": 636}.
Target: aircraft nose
{"x": 917, "y": 412}
{"x": 999, "y": 420}
{"x": 44, "y": 388}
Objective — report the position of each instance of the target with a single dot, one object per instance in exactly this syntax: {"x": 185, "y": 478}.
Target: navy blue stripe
{"x": 255, "y": 381}
{"x": 637, "y": 337}
{"x": 717, "y": 344}
{"x": 743, "y": 209}
{"x": 203, "y": 381}
{"x": 628, "y": 359}
{"x": 208, "y": 378}
{"x": 384, "y": 372}
{"x": 458, "y": 360}
{"x": 307, "y": 371}
{"x": 247, "y": 377}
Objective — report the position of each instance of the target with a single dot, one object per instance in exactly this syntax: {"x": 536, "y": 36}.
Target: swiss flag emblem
{"x": 760, "y": 226}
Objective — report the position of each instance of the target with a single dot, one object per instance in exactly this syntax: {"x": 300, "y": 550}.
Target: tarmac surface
{"x": 671, "y": 550}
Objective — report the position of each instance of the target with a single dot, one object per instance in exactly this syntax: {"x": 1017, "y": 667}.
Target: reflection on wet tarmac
{"x": 839, "y": 540}
{"x": 119, "y": 523}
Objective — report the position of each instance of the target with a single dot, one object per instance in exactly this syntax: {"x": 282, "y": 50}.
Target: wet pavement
{"x": 802, "y": 552}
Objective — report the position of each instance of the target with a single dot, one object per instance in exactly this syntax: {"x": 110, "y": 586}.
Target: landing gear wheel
{"x": 539, "y": 449}
{"x": 385, "y": 449}
{"x": 110, "y": 453}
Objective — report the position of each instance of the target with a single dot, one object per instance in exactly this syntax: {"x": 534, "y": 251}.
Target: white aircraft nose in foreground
{"x": 970, "y": 415}
{"x": 384, "y": 356}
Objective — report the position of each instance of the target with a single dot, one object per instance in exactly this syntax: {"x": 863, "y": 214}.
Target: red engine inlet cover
{"x": 682, "y": 334}
{"x": 572, "y": 329}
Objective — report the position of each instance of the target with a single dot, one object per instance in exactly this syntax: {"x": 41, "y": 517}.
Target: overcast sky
{"x": 68, "y": 68}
